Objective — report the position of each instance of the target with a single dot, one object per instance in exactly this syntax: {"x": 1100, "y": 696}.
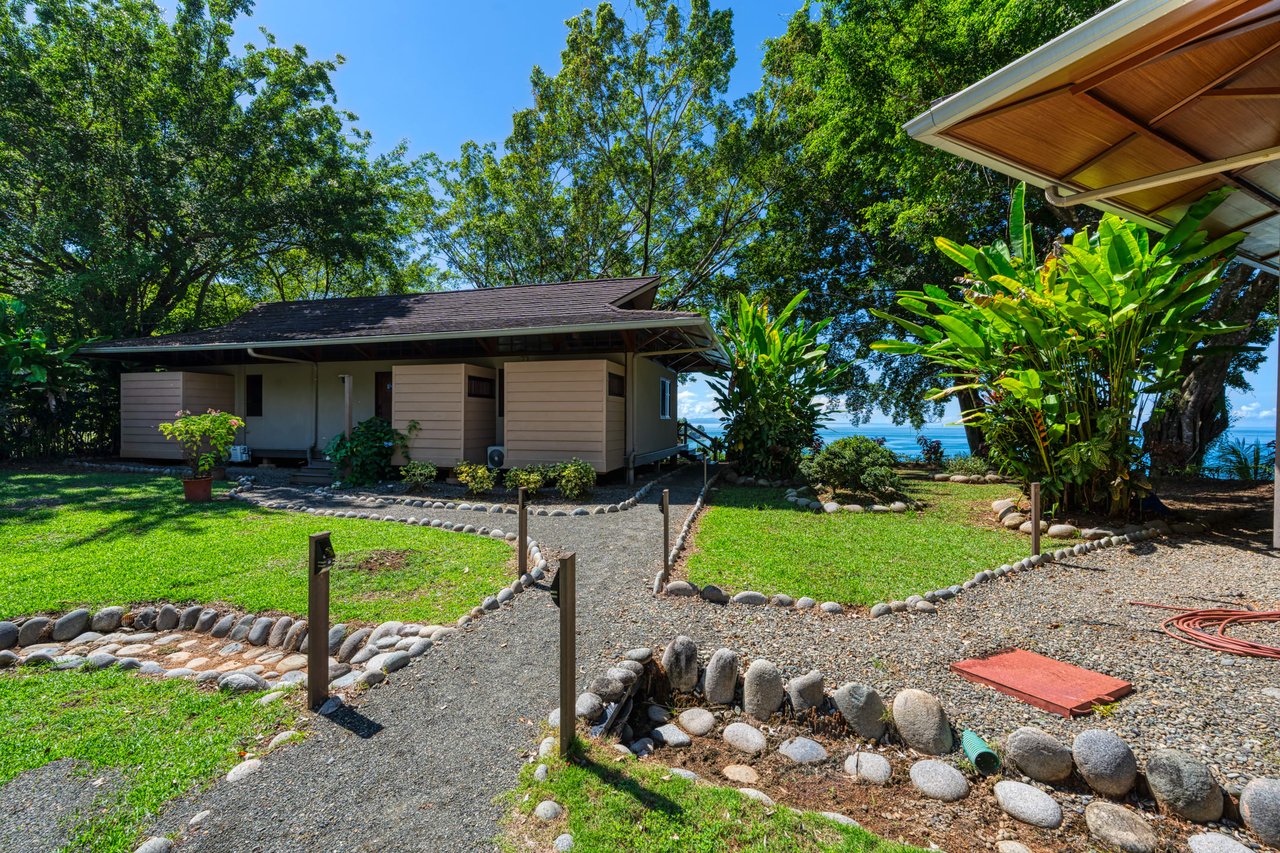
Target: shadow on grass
{"x": 621, "y": 782}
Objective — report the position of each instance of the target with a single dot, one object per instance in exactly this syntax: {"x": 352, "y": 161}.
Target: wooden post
{"x": 568, "y": 652}
{"x": 319, "y": 558}
{"x": 704, "y": 471}
{"x": 522, "y": 533}
{"x": 666, "y": 534}
{"x": 1035, "y": 519}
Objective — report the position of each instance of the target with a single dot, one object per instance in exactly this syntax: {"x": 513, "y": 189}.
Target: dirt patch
{"x": 34, "y": 503}
{"x": 381, "y": 560}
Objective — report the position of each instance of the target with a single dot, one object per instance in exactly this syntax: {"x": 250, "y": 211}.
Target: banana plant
{"x": 1065, "y": 353}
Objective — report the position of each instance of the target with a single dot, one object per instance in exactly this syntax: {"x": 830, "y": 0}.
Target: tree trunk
{"x": 1178, "y": 436}
{"x": 977, "y": 441}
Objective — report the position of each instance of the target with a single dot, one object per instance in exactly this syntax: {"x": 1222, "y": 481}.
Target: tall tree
{"x": 142, "y": 161}
{"x": 630, "y": 162}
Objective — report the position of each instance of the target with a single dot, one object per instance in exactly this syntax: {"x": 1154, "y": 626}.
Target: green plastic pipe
{"x": 983, "y": 756}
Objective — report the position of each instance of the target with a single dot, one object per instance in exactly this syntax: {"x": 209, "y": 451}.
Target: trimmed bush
{"x": 418, "y": 475}
{"x": 478, "y": 479}
{"x": 369, "y": 451}
{"x": 964, "y": 463}
{"x": 855, "y": 464}
{"x": 576, "y": 479}
{"x": 531, "y": 477}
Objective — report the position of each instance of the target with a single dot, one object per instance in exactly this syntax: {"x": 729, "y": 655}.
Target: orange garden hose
{"x": 1207, "y": 629}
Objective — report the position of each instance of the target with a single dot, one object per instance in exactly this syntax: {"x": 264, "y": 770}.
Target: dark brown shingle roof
{"x": 453, "y": 313}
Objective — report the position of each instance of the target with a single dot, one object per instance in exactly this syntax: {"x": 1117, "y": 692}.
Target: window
{"x": 664, "y": 399}
{"x": 253, "y": 395}
{"x": 480, "y": 386}
{"x": 617, "y": 385}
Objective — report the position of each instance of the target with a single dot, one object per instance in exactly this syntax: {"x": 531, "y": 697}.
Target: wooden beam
{"x": 1013, "y": 105}
{"x": 1191, "y": 30}
{"x": 1099, "y": 157}
{"x": 1223, "y": 78}
{"x": 1259, "y": 92}
{"x": 1227, "y": 33}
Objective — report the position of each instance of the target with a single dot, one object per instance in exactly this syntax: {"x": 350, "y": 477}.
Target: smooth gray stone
{"x": 589, "y": 706}
{"x": 806, "y": 691}
{"x": 239, "y": 681}
{"x": 8, "y": 658}
{"x": 804, "y": 602}
{"x": 167, "y": 618}
{"x": 71, "y": 625}
{"x": 151, "y": 668}
{"x": 107, "y": 619}
{"x": 8, "y": 635}
{"x": 33, "y": 630}
{"x": 505, "y": 595}
{"x": 187, "y": 618}
{"x": 100, "y": 660}
{"x": 831, "y": 607}
{"x": 671, "y": 735}
{"x": 868, "y": 767}
{"x": 879, "y": 610}
{"x": 1119, "y": 828}
{"x": 626, "y": 676}
{"x": 223, "y": 626}
{"x": 395, "y": 661}
{"x": 68, "y": 662}
{"x": 260, "y": 630}
{"x": 608, "y": 689}
{"x": 680, "y": 660}
{"x": 639, "y": 655}
{"x": 1183, "y": 785}
{"x": 38, "y": 659}
{"x": 762, "y": 690}
{"x": 681, "y": 589}
{"x": 336, "y": 635}
{"x": 243, "y": 626}
{"x": 697, "y": 721}
{"x": 548, "y": 810}
{"x": 1028, "y": 804}
{"x": 1214, "y": 842}
{"x": 351, "y": 644}
{"x": 1105, "y": 762}
{"x": 1038, "y": 754}
{"x": 366, "y": 654}
{"x": 862, "y": 708}
{"x": 144, "y": 619}
{"x": 1260, "y": 808}
{"x": 720, "y": 679}
{"x": 750, "y": 597}
{"x": 279, "y": 631}
{"x": 293, "y": 639}
{"x": 745, "y": 738}
{"x": 922, "y": 722}
{"x": 390, "y": 628}
{"x": 802, "y": 750}
{"x": 154, "y": 844}
{"x": 939, "y": 781}
{"x": 630, "y": 666}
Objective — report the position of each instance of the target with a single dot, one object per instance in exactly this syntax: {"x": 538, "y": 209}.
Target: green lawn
{"x": 630, "y": 805}
{"x": 751, "y": 538}
{"x": 90, "y": 540}
{"x": 163, "y": 737}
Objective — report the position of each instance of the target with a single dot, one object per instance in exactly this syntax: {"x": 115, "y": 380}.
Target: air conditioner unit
{"x": 497, "y": 456}
{"x": 239, "y": 453}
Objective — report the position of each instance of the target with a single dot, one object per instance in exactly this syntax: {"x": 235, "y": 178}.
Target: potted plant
{"x": 205, "y": 441}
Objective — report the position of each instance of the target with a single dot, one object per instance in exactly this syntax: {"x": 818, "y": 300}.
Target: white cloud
{"x": 1253, "y": 410}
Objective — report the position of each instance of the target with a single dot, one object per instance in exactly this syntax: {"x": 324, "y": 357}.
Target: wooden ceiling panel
{"x": 1036, "y": 133}
{"x": 1139, "y": 156}
{"x": 1169, "y": 195}
{"x": 1224, "y": 127}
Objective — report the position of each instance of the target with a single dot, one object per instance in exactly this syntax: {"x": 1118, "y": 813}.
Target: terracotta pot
{"x": 198, "y": 489}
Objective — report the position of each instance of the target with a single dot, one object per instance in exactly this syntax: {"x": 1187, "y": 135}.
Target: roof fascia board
{"x": 1120, "y": 20}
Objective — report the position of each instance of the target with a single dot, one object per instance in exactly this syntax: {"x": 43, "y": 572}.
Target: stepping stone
{"x": 741, "y": 773}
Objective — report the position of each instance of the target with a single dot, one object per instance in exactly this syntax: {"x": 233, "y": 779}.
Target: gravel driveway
{"x": 454, "y": 727}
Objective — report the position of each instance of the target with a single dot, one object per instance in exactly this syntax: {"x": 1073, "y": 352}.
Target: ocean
{"x": 902, "y": 439}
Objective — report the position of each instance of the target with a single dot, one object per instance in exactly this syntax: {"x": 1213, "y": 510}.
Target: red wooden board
{"x": 1048, "y": 684}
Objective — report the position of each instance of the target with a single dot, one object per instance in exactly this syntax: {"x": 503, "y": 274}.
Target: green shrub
{"x": 963, "y": 463}
{"x": 369, "y": 451}
{"x": 478, "y": 479}
{"x": 531, "y": 477}
{"x": 856, "y": 464}
{"x": 576, "y": 479}
{"x": 419, "y": 475}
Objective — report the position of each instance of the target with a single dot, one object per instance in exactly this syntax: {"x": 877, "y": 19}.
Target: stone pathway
{"x": 417, "y": 763}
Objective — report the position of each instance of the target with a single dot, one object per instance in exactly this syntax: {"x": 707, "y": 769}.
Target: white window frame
{"x": 664, "y": 398}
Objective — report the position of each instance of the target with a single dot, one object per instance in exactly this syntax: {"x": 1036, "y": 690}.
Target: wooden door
{"x": 382, "y": 394}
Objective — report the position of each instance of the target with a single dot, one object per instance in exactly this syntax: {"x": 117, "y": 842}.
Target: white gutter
{"x": 1120, "y": 20}
{"x": 315, "y": 390}
{"x": 676, "y": 322}
{"x": 1213, "y": 167}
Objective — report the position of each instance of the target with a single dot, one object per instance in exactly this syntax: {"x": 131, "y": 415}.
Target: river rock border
{"x": 754, "y": 710}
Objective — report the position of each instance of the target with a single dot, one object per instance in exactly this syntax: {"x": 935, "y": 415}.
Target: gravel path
{"x": 456, "y": 725}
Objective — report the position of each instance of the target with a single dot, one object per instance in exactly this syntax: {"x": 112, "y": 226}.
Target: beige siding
{"x": 615, "y": 414}
{"x": 432, "y": 395}
{"x": 555, "y": 410}
{"x": 653, "y": 432}
{"x": 479, "y": 417}
{"x": 150, "y": 399}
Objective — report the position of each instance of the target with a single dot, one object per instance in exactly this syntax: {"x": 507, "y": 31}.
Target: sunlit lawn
{"x": 71, "y": 540}
{"x": 613, "y": 805}
{"x": 163, "y": 738}
{"x": 751, "y": 538}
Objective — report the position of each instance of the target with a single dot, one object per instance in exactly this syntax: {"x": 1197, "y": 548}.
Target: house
{"x": 516, "y": 375}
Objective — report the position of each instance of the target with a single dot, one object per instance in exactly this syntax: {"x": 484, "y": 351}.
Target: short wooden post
{"x": 1035, "y": 519}
{"x": 319, "y": 559}
{"x": 666, "y": 534}
{"x": 565, "y": 574}
{"x": 522, "y": 532}
{"x": 704, "y": 471}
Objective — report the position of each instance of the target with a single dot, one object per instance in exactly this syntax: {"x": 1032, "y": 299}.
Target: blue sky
{"x": 436, "y": 74}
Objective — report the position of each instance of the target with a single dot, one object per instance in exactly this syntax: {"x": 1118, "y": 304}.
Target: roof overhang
{"x": 1140, "y": 111}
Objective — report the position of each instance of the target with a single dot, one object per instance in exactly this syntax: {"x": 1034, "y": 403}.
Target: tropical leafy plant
{"x": 478, "y": 478}
{"x": 966, "y": 463}
{"x": 530, "y": 477}
{"x": 37, "y": 378}
{"x": 854, "y": 464}
{"x": 1245, "y": 460}
{"x": 1065, "y": 355}
{"x": 204, "y": 439}
{"x": 931, "y": 452}
{"x": 575, "y": 479}
{"x": 768, "y": 396}
{"x": 418, "y": 475}
{"x": 369, "y": 451}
